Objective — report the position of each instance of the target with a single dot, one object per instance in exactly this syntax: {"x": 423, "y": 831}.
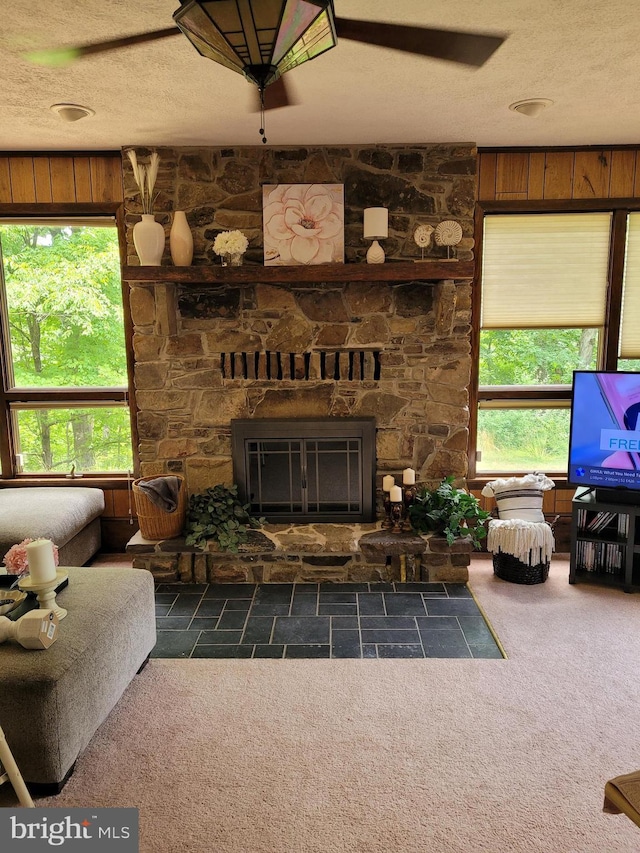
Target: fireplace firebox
{"x": 305, "y": 470}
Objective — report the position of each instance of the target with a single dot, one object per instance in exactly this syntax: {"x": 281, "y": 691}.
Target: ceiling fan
{"x": 263, "y": 39}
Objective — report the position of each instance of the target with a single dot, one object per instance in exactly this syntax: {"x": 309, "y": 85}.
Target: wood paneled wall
{"x": 61, "y": 178}
{"x": 565, "y": 175}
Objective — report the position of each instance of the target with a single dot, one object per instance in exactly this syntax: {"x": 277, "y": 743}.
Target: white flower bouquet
{"x": 230, "y": 243}
{"x": 145, "y": 177}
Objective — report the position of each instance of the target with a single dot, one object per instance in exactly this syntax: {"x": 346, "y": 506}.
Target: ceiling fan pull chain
{"x": 264, "y": 138}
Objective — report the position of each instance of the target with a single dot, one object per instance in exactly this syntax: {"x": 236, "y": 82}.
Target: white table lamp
{"x": 376, "y": 227}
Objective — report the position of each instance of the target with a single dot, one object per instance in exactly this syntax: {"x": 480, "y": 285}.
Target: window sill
{"x": 480, "y": 481}
{"x": 98, "y": 482}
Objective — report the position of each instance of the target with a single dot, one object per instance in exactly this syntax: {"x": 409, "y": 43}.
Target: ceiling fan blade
{"x": 65, "y": 55}
{"x": 455, "y": 46}
{"x": 276, "y": 95}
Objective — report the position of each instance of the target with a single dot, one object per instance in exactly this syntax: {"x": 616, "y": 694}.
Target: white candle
{"x": 396, "y": 495}
{"x": 388, "y": 483}
{"x": 409, "y": 477}
{"x": 42, "y": 567}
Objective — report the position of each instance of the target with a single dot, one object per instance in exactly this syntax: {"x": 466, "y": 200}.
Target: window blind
{"x": 545, "y": 270}
{"x": 630, "y": 329}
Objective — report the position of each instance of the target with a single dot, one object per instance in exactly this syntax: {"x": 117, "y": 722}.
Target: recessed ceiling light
{"x": 532, "y": 107}
{"x": 71, "y": 112}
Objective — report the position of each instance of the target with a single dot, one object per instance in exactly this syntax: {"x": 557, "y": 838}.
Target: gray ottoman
{"x": 52, "y": 701}
{"x": 68, "y": 515}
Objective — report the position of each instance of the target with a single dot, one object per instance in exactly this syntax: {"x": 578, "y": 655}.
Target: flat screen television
{"x": 604, "y": 437}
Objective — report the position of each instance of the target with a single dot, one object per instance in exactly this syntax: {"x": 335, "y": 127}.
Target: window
{"x": 64, "y": 388}
{"x": 629, "y": 351}
{"x": 547, "y": 309}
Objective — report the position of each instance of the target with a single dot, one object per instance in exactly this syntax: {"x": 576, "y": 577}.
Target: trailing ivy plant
{"x": 218, "y": 514}
{"x": 450, "y": 512}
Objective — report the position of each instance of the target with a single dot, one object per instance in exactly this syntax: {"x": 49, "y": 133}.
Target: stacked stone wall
{"x": 188, "y": 394}
{"x": 399, "y": 352}
{"x": 220, "y": 189}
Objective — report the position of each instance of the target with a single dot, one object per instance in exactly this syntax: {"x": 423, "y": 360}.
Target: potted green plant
{"x": 450, "y": 512}
{"x": 217, "y": 514}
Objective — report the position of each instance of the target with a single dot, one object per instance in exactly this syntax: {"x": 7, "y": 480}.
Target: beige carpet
{"x": 395, "y": 756}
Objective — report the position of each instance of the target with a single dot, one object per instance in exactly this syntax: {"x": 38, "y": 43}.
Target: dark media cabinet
{"x": 605, "y": 540}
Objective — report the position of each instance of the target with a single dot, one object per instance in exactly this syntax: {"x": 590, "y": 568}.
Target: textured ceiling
{"x": 582, "y": 54}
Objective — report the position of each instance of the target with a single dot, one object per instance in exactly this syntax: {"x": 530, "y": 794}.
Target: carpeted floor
{"x": 409, "y": 756}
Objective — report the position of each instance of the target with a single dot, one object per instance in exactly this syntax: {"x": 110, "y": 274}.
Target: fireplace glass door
{"x": 323, "y": 475}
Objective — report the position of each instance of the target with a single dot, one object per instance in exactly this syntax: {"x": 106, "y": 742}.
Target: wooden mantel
{"x": 250, "y": 273}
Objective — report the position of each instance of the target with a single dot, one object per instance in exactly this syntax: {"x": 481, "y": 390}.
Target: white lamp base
{"x": 375, "y": 255}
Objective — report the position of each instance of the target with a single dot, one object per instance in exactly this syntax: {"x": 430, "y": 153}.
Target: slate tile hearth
{"x": 349, "y": 620}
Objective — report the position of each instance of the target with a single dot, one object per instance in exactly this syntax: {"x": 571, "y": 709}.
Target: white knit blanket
{"x": 531, "y": 542}
{"x": 528, "y": 481}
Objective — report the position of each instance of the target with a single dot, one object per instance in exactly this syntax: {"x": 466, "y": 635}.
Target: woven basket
{"x": 154, "y": 522}
{"x": 510, "y": 568}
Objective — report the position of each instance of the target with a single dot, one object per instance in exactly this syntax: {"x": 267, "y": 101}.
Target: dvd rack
{"x": 604, "y": 541}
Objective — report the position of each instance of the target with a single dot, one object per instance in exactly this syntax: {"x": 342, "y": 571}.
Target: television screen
{"x": 604, "y": 438}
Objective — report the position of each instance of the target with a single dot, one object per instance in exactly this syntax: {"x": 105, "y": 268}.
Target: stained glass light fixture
{"x": 260, "y": 39}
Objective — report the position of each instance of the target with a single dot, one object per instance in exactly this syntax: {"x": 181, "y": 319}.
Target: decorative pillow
{"x": 520, "y": 497}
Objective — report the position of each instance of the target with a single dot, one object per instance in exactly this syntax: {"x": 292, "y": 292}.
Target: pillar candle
{"x": 388, "y": 483}
{"x": 396, "y": 494}
{"x": 409, "y": 477}
{"x": 42, "y": 567}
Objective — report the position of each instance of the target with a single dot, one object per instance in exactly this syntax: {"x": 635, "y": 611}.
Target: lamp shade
{"x": 376, "y": 223}
{"x": 258, "y": 38}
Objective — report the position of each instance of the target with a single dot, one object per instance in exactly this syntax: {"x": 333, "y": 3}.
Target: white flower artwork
{"x": 303, "y": 224}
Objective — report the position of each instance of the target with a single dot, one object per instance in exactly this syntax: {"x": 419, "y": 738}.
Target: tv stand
{"x": 605, "y": 538}
{"x": 617, "y": 496}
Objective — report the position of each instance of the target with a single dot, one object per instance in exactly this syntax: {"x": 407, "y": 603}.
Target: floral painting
{"x": 303, "y": 224}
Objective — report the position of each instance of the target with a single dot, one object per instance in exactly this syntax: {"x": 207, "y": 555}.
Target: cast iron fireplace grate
{"x": 305, "y": 470}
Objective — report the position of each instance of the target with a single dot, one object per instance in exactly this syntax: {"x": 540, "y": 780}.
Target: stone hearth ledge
{"x": 309, "y": 553}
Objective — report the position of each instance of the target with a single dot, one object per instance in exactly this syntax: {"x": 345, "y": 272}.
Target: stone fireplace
{"x": 213, "y": 352}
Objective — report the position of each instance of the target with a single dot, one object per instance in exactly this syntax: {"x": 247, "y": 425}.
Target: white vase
{"x": 149, "y": 239}
{"x": 231, "y": 259}
{"x": 181, "y": 240}
{"x": 375, "y": 255}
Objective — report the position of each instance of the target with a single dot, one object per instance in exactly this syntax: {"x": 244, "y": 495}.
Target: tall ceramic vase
{"x": 181, "y": 240}
{"x": 149, "y": 239}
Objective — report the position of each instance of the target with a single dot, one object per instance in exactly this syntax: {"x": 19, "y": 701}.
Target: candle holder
{"x": 387, "y": 524}
{"x": 409, "y": 496}
{"x": 396, "y": 516}
{"x": 46, "y": 592}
